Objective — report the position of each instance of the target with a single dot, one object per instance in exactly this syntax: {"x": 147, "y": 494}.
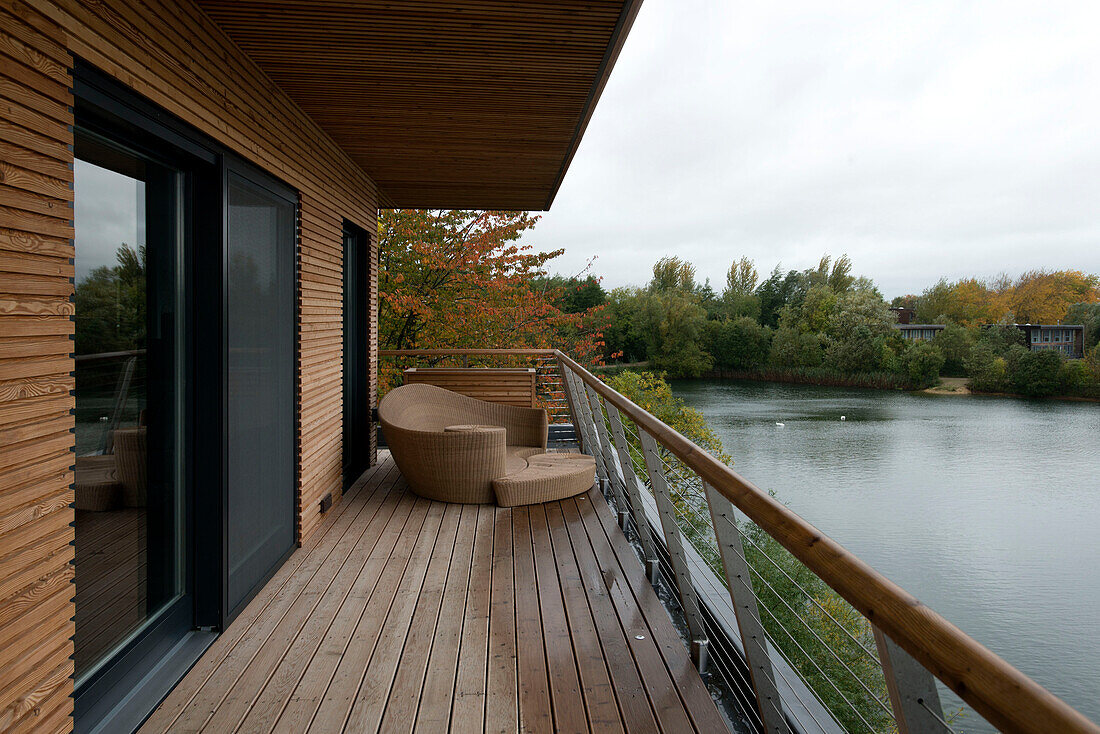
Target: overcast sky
{"x": 924, "y": 139}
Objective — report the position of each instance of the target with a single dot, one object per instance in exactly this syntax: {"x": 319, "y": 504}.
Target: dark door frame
{"x": 357, "y": 336}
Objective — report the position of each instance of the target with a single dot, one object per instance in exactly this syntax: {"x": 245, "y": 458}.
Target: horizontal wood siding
{"x": 174, "y": 55}
{"x": 36, "y": 288}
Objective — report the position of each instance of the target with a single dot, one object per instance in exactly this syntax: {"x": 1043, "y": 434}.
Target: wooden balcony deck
{"x": 402, "y": 614}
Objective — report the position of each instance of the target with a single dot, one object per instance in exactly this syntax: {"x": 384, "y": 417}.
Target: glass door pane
{"x": 129, "y": 311}
{"x": 261, "y": 413}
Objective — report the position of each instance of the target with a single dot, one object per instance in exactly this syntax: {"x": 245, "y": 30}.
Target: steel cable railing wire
{"x": 689, "y": 500}
{"x": 739, "y": 680}
{"x": 872, "y": 655}
{"x": 692, "y": 493}
{"x": 689, "y": 492}
{"x": 778, "y": 623}
{"x": 794, "y": 667}
{"x": 825, "y": 645}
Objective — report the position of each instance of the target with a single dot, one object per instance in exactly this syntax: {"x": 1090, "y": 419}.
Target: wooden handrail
{"x": 467, "y": 352}
{"x": 1007, "y": 698}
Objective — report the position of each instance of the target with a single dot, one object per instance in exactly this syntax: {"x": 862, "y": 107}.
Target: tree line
{"x": 827, "y": 325}
{"x": 456, "y": 278}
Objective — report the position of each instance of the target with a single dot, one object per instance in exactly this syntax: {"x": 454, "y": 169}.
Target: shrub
{"x": 1035, "y": 373}
{"x": 792, "y": 348}
{"x": 987, "y": 371}
{"x": 922, "y": 363}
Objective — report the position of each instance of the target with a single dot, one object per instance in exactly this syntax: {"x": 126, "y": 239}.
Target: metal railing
{"x": 720, "y": 545}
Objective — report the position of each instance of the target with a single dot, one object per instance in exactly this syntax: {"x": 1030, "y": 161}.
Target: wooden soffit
{"x": 445, "y": 103}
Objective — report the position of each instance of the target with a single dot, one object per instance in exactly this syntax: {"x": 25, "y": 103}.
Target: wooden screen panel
{"x": 496, "y": 385}
{"x": 36, "y": 286}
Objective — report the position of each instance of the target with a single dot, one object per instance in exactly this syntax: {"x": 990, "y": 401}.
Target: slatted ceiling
{"x": 446, "y": 103}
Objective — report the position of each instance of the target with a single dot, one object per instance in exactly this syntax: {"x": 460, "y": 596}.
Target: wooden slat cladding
{"x": 446, "y": 103}
{"x": 173, "y": 54}
{"x": 36, "y": 271}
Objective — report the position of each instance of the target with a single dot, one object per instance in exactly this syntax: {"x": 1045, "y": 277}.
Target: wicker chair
{"x": 451, "y": 447}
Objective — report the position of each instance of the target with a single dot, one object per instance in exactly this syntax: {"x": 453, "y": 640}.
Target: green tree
{"x": 793, "y": 348}
{"x": 673, "y": 324}
{"x": 1000, "y": 339}
{"x": 854, "y": 308}
{"x": 775, "y": 293}
{"x": 741, "y": 278}
{"x": 110, "y": 305}
{"x": 1088, "y": 315}
{"x": 859, "y": 350}
{"x": 621, "y": 324}
{"x": 738, "y": 344}
{"x": 672, "y": 274}
{"x": 955, "y": 343}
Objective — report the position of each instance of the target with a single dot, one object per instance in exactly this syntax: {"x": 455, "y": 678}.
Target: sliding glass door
{"x": 260, "y": 322}
{"x": 130, "y": 491}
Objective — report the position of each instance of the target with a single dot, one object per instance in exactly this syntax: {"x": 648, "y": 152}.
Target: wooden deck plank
{"x": 400, "y": 710}
{"x": 468, "y": 712}
{"x": 502, "y": 694}
{"x": 603, "y": 709}
{"x": 286, "y": 676}
{"x": 287, "y": 581}
{"x": 314, "y": 682}
{"x": 434, "y": 711}
{"x": 565, "y": 686}
{"x": 342, "y": 690}
{"x": 534, "y": 687}
{"x": 659, "y": 685}
{"x": 693, "y": 692}
{"x": 402, "y": 614}
{"x": 229, "y": 694}
{"x": 366, "y": 712}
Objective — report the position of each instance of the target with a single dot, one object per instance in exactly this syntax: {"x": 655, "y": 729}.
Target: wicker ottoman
{"x": 97, "y": 488}
{"x": 548, "y": 477}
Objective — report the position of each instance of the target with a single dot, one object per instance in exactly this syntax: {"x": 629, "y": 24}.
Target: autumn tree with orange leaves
{"x": 459, "y": 279}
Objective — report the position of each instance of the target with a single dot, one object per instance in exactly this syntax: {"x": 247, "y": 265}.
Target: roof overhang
{"x": 458, "y": 104}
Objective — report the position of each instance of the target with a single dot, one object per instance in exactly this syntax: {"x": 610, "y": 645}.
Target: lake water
{"x": 986, "y": 509}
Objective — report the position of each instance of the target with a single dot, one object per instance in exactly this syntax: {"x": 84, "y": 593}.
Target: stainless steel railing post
{"x": 913, "y": 693}
{"x": 674, "y": 542}
{"x": 633, "y": 494}
{"x": 745, "y": 608}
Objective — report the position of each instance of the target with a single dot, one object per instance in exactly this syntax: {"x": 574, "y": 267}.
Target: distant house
{"x": 1066, "y": 338}
{"x": 918, "y": 332}
{"x": 905, "y": 315}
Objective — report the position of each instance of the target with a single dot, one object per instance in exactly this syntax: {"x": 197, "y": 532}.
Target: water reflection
{"x": 984, "y": 508}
